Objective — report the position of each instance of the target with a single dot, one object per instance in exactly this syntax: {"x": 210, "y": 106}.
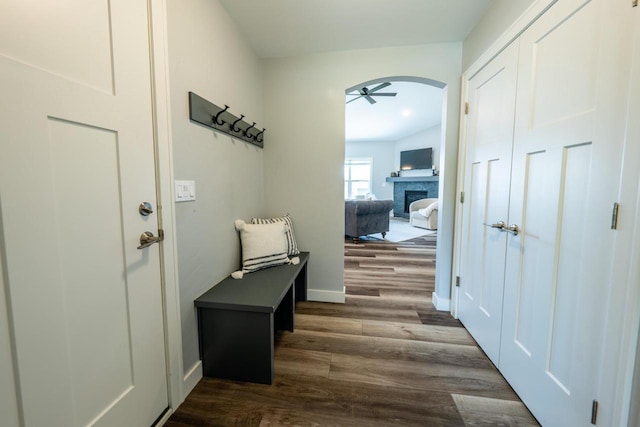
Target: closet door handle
{"x": 499, "y": 225}
{"x": 513, "y": 229}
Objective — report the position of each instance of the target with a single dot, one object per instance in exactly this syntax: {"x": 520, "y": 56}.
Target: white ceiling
{"x": 416, "y": 107}
{"x": 278, "y": 28}
{"x": 281, "y": 28}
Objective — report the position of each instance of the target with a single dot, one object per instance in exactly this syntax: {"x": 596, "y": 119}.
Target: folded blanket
{"x": 425, "y": 212}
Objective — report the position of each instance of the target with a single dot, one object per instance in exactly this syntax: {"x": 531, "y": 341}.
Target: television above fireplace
{"x": 416, "y": 159}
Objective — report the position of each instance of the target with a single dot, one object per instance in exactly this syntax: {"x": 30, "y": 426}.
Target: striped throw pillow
{"x": 263, "y": 245}
{"x": 292, "y": 246}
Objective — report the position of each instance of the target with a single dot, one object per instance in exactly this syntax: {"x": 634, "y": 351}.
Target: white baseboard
{"x": 326, "y": 296}
{"x": 441, "y": 304}
{"x": 191, "y": 378}
{"x": 165, "y": 417}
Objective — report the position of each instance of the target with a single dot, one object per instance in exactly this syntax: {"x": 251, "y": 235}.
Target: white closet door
{"x": 76, "y": 160}
{"x": 492, "y": 95}
{"x": 566, "y": 168}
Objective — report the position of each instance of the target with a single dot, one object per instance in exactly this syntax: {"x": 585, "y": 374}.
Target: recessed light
{"x": 407, "y": 112}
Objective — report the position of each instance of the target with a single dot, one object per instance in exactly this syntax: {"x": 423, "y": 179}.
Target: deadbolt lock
{"x": 145, "y": 209}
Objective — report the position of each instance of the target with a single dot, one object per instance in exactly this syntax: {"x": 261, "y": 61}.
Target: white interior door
{"x": 76, "y": 160}
{"x": 572, "y": 81}
{"x": 492, "y": 95}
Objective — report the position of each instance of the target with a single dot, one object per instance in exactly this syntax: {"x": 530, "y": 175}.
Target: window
{"x": 357, "y": 178}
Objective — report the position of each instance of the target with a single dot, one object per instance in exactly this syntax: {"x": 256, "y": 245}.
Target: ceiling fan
{"x": 368, "y": 94}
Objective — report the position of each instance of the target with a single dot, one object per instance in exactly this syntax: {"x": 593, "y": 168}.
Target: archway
{"x": 444, "y": 161}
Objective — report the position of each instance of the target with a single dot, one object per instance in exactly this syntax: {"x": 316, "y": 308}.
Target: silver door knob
{"x": 513, "y": 229}
{"x": 145, "y": 209}
{"x": 147, "y": 239}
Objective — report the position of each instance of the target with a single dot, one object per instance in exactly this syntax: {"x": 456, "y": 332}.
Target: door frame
{"x": 161, "y": 102}
{"x": 620, "y": 380}
{"x": 441, "y": 297}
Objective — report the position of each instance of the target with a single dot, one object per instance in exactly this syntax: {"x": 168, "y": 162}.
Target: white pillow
{"x": 263, "y": 245}
{"x": 292, "y": 246}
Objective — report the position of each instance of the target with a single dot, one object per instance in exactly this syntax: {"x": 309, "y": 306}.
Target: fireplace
{"x": 411, "y": 196}
{"x": 407, "y": 189}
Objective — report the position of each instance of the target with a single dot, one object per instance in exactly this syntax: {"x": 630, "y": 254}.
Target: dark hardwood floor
{"x": 384, "y": 358}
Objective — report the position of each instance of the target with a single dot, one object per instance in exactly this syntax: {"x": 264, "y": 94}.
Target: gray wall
{"x": 382, "y": 153}
{"x": 386, "y": 157}
{"x": 500, "y": 15}
{"x": 209, "y": 57}
{"x": 305, "y": 113}
{"x": 431, "y": 137}
{"x": 8, "y": 402}
{"x": 634, "y": 417}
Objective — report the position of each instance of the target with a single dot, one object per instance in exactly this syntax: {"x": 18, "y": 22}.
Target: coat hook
{"x": 246, "y": 131}
{"x": 255, "y": 138}
{"x": 215, "y": 118}
{"x": 233, "y": 125}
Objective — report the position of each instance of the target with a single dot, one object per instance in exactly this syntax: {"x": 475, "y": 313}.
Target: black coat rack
{"x": 209, "y": 114}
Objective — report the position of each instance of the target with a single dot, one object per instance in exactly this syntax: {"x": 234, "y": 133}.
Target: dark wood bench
{"x": 237, "y": 320}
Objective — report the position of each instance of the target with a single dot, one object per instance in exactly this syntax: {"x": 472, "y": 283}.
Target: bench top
{"x": 259, "y": 291}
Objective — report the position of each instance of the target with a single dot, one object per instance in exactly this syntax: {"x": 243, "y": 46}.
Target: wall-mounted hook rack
{"x": 209, "y": 114}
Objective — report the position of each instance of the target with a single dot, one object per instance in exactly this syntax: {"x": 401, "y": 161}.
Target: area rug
{"x": 399, "y": 231}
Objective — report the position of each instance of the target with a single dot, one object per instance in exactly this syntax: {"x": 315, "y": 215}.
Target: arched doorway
{"x": 405, "y": 113}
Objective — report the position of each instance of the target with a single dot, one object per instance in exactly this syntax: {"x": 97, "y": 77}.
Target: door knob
{"x": 513, "y": 229}
{"x": 145, "y": 209}
{"x": 147, "y": 239}
{"x": 500, "y": 225}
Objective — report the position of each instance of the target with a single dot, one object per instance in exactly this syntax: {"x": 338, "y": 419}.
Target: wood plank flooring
{"x": 384, "y": 358}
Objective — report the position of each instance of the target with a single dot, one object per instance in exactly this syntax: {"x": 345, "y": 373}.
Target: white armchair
{"x": 423, "y": 213}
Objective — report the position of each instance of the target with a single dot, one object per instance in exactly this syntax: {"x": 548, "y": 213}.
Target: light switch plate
{"x": 185, "y": 191}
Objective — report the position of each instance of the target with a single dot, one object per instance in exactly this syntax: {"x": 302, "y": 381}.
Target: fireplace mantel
{"x": 411, "y": 178}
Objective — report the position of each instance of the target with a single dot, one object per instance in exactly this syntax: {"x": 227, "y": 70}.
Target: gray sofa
{"x": 364, "y": 217}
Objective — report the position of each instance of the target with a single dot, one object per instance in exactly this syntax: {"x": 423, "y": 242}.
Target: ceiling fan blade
{"x": 369, "y": 93}
{"x": 380, "y": 86}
